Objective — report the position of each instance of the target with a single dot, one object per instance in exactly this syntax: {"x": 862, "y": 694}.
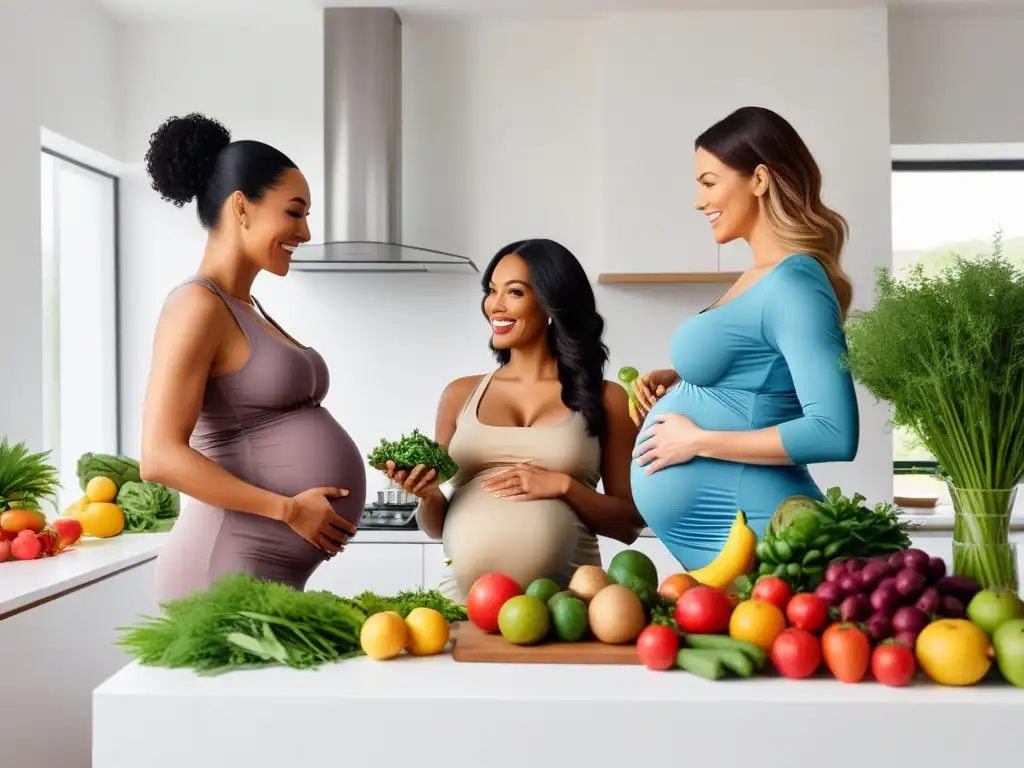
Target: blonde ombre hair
{"x": 802, "y": 223}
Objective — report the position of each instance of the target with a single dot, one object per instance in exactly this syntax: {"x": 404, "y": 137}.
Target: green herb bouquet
{"x": 947, "y": 353}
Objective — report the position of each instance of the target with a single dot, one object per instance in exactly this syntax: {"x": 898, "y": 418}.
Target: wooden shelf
{"x": 667, "y": 277}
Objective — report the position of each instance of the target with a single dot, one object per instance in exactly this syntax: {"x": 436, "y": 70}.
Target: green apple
{"x": 994, "y": 606}
{"x": 1008, "y": 643}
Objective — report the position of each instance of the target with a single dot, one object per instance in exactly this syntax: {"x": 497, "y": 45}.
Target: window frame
{"x": 947, "y": 158}
{"x": 118, "y": 341}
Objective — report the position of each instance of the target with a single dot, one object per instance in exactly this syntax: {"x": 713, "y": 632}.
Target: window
{"x": 80, "y": 351}
{"x": 941, "y": 208}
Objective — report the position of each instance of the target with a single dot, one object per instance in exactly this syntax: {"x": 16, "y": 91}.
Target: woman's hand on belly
{"x": 525, "y": 482}
{"x": 672, "y": 439}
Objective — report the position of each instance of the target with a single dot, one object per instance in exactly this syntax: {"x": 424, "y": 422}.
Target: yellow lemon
{"x": 757, "y": 622}
{"x": 383, "y": 635}
{"x": 428, "y": 631}
{"x": 101, "y": 489}
{"x": 954, "y": 652}
{"x": 102, "y": 520}
{"x": 77, "y": 507}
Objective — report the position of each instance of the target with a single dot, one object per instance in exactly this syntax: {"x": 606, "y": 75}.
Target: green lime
{"x": 545, "y": 589}
{"x": 569, "y": 619}
{"x": 630, "y": 562}
{"x": 559, "y": 596}
{"x": 524, "y": 620}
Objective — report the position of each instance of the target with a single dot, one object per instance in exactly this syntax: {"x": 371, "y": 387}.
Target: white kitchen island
{"x": 437, "y": 712}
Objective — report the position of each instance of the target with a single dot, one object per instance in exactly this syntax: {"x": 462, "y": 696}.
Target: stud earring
{"x": 549, "y": 321}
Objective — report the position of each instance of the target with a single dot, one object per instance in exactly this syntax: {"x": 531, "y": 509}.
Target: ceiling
{"x": 244, "y": 9}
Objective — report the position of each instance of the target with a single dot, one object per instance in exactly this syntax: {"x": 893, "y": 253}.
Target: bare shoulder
{"x": 193, "y": 302}
{"x": 459, "y": 390}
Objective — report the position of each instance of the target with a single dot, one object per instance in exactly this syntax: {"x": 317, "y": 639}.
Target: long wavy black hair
{"x": 574, "y": 335}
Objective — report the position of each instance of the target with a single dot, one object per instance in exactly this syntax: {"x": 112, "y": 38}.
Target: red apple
{"x": 26, "y": 546}
{"x": 68, "y": 529}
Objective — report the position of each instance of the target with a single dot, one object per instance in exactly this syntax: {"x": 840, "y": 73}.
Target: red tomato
{"x": 656, "y": 647}
{"x": 893, "y": 664}
{"x": 772, "y": 589}
{"x": 703, "y": 610}
{"x": 796, "y": 653}
{"x": 847, "y": 652}
{"x": 486, "y": 597}
{"x": 807, "y": 611}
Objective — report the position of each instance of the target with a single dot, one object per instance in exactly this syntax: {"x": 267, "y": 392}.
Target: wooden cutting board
{"x": 474, "y": 645}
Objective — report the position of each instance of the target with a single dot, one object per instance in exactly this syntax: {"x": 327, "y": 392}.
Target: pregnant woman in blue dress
{"x": 756, "y": 391}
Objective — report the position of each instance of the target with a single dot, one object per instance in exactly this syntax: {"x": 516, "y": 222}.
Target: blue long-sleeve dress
{"x": 768, "y": 357}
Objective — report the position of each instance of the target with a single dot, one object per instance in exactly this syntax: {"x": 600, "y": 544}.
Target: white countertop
{"x": 510, "y": 714}
{"x": 26, "y": 581}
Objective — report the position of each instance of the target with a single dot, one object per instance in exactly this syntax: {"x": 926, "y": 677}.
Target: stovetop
{"x": 390, "y": 518}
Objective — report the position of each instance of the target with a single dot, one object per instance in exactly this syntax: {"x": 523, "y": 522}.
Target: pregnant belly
{"x": 525, "y": 540}
{"x": 690, "y": 507}
{"x": 305, "y": 449}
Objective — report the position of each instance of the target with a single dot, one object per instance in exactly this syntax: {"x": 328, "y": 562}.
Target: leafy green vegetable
{"x": 411, "y": 451}
{"x": 798, "y": 545}
{"x": 242, "y": 622}
{"x": 404, "y": 602}
{"x": 148, "y": 506}
{"x": 947, "y": 352}
{"x": 221, "y": 628}
{"x": 119, "y": 469}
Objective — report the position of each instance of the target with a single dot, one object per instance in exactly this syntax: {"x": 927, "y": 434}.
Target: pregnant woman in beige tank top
{"x": 533, "y": 438}
{"x": 233, "y": 415}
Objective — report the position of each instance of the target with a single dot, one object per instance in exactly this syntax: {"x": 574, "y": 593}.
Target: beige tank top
{"x": 526, "y": 540}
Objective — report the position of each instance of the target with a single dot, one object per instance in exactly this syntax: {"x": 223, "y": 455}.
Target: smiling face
{"x": 276, "y": 224}
{"x": 726, "y": 197}
{"x": 516, "y": 316}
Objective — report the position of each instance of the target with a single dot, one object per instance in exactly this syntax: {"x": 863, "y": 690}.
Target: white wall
{"x": 956, "y": 75}
{"x": 504, "y": 138}
{"x": 61, "y": 77}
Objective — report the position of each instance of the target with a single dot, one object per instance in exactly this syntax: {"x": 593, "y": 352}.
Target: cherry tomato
{"x": 656, "y": 647}
{"x": 796, "y": 653}
{"x": 893, "y": 664}
{"x": 847, "y": 652}
{"x": 772, "y": 589}
{"x": 807, "y": 611}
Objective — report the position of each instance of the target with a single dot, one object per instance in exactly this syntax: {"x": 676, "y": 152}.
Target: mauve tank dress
{"x": 265, "y": 424}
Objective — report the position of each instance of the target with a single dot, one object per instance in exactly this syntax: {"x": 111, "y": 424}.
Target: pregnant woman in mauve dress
{"x": 532, "y": 438}
{"x": 756, "y": 391}
{"x": 233, "y": 415}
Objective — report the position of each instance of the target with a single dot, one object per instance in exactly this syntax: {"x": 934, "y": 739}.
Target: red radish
{"x": 656, "y": 647}
{"x": 26, "y": 546}
{"x": 908, "y": 639}
{"x": 830, "y": 592}
{"x": 68, "y": 529}
{"x": 486, "y": 597}
{"x": 5, "y": 550}
{"x": 910, "y": 619}
{"x": 835, "y": 570}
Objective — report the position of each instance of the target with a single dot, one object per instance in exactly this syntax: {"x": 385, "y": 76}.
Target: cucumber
{"x": 706, "y": 664}
{"x": 756, "y": 653}
{"x": 737, "y": 662}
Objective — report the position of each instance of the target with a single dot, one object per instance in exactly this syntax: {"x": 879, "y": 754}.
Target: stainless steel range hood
{"x": 363, "y": 152}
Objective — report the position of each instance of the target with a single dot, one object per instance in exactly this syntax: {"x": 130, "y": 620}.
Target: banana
{"x": 736, "y": 558}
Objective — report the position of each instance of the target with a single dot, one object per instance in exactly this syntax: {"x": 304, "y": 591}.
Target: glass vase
{"x": 981, "y": 535}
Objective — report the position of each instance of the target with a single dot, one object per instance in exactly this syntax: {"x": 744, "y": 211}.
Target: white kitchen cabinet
{"x": 433, "y": 565}
{"x": 381, "y": 568}
{"x": 663, "y": 560}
